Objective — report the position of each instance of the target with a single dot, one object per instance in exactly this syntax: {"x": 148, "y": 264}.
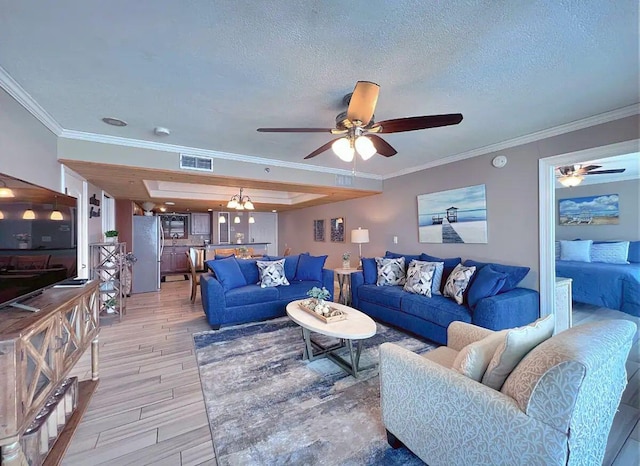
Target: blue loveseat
{"x": 229, "y": 298}
{"x": 503, "y": 307}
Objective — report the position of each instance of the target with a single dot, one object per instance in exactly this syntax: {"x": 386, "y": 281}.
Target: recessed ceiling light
{"x": 163, "y": 209}
{"x": 161, "y": 131}
{"x": 114, "y": 121}
{"x": 170, "y": 203}
{"x": 210, "y": 210}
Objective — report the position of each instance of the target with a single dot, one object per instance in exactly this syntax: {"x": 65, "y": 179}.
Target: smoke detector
{"x": 161, "y": 131}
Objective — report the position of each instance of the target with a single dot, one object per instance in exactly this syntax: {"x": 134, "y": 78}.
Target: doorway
{"x": 76, "y": 186}
{"x": 265, "y": 230}
{"x": 547, "y": 212}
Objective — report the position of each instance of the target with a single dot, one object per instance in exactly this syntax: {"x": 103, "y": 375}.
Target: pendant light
{"x": 56, "y": 214}
{"x": 236, "y": 219}
{"x": 222, "y": 218}
{"x": 1, "y": 215}
{"x": 251, "y": 219}
{"x": 4, "y": 191}
{"x": 29, "y": 215}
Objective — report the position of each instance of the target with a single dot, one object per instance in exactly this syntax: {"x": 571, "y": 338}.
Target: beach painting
{"x": 590, "y": 210}
{"x": 453, "y": 216}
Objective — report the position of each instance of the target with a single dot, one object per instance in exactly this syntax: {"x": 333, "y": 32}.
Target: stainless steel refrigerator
{"x": 147, "y": 246}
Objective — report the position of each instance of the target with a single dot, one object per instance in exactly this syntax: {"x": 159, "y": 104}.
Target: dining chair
{"x": 287, "y": 251}
{"x": 194, "y": 276}
{"x": 225, "y": 252}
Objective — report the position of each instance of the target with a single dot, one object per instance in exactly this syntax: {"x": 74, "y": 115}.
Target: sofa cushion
{"x": 518, "y": 342}
{"x": 290, "y": 263}
{"x": 436, "y": 281}
{"x": 420, "y": 277}
{"x": 310, "y": 268}
{"x": 515, "y": 273}
{"x": 472, "y": 360}
{"x": 388, "y": 296}
{"x": 449, "y": 264}
{"x": 249, "y": 269}
{"x": 407, "y": 257}
{"x": 369, "y": 270}
{"x": 579, "y": 251}
{"x": 457, "y": 282}
{"x": 223, "y": 256}
{"x": 228, "y": 273}
{"x": 391, "y": 272}
{"x": 437, "y": 309}
{"x": 250, "y": 294}
{"x": 610, "y": 253}
{"x": 296, "y": 290}
{"x": 272, "y": 273}
{"x": 488, "y": 282}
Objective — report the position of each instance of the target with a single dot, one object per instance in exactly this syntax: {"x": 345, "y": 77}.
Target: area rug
{"x": 266, "y": 405}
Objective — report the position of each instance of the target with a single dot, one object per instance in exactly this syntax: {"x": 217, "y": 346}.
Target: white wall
{"x": 28, "y": 150}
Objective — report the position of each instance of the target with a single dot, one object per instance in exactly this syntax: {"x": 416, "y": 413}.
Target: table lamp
{"x": 359, "y": 237}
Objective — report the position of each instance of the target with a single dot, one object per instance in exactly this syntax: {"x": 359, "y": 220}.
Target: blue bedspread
{"x": 615, "y": 286}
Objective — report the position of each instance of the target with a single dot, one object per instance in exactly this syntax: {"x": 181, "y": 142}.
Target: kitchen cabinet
{"x": 174, "y": 260}
{"x": 200, "y": 224}
{"x": 175, "y": 226}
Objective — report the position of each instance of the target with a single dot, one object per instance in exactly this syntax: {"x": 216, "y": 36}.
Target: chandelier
{"x": 240, "y": 202}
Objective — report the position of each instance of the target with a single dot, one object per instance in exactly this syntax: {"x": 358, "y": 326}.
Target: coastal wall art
{"x": 453, "y": 216}
{"x": 590, "y": 210}
{"x": 337, "y": 230}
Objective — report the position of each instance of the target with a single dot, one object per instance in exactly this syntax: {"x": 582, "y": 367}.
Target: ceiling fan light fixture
{"x": 365, "y": 147}
{"x": 343, "y": 149}
{"x": 569, "y": 181}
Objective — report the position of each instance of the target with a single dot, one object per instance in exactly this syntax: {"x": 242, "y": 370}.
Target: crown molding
{"x": 141, "y": 144}
{"x": 16, "y": 91}
{"x": 519, "y": 141}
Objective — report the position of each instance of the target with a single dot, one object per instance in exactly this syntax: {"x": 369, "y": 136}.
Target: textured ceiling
{"x": 214, "y": 71}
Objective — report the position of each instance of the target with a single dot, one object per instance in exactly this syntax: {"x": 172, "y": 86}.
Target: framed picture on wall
{"x": 591, "y": 210}
{"x": 318, "y": 230}
{"x": 337, "y": 230}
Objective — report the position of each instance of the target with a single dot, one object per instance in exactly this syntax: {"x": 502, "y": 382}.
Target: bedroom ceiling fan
{"x": 572, "y": 175}
{"x": 358, "y": 131}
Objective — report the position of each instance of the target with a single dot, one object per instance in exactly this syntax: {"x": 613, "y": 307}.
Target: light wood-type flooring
{"x": 149, "y": 408}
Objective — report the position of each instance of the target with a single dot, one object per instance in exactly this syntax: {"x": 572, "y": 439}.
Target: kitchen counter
{"x": 224, "y": 246}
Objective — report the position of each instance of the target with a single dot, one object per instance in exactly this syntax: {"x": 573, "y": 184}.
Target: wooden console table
{"x": 37, "y": 351}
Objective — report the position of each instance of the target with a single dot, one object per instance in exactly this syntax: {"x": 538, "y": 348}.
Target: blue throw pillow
{"x": 449, "y": 264}
{"x": 310, "y": 267}
{"x": 487, "y": 282}
{"x": 634, "y": 252}
{"x": 579, "y": 251}
{"x": 291, "y": 265}
{"x": 515, "y": 273}
{"x": 407, "y": 257}
{"x": 249, "y": 269}
{"x": 228, "y": 273}
{"x": 369, "y": 270}
{"x": 222, "y": 256}
{"x": 207, "y": 265}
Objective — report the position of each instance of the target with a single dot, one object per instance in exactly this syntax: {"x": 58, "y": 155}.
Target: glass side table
{"x": 344, "y": 284}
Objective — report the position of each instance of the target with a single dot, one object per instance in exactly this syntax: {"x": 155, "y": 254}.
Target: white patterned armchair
{"x": 555, "y": 408}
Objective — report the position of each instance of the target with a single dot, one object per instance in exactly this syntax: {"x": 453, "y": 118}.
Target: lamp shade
{"x": 360, "y": 236}
{"x": 365, "y": 147}
{"x": 343, "y": 149}
{"x": 56, "y": 215}
{"x": 29, "y": 215}
{"x": 221, "y": 219}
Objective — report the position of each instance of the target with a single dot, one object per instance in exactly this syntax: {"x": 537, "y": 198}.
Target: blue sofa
{"x": 225, "y": 303}
{"x": 430, "y": 317}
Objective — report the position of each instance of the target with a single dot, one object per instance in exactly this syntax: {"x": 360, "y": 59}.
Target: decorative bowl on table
{"x": 322, "y": 310}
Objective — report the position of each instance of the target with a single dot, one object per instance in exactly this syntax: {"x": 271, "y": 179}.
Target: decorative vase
{"x": 111, "y": 239}
{"x": 346, "y": 263}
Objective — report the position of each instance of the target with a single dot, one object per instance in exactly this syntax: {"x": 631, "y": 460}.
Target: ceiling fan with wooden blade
{"x": 572, "y": 175}
{"x": 358, "y": 129}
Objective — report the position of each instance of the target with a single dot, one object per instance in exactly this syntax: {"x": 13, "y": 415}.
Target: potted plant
{"x": 346, "y": 260}
{"x": 110, "y": 305}
{"x": 111, "y": 236}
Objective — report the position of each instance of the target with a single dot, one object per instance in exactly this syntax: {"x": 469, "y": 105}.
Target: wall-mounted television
{"x": 38, "y": 239}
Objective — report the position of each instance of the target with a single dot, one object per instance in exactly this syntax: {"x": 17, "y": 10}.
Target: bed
{"x": 614, "y": 286}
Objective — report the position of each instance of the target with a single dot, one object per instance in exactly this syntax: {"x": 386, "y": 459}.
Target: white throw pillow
{"x": 272, "y": 273}
{"x": 419, "y": 278}
{"x": 458, "y": 281}
{"x": 579, "y": 251}
{"x": 610, "y": 253}
{"x": 518, "y": 342}
{"x": 472, "y": 360}
{"x": 390, "y": 271}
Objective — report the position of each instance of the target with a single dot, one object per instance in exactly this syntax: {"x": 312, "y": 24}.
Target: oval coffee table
{"x": 357, "y": 326}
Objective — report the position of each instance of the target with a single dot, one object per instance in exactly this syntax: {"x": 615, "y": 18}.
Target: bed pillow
{"x": 390, "y": 271}
{"x": 487, "y": 282}
{"x": 272, "y": 273}
{"x": 518, "y": 342}
{"x": 457, "y": 282}
{"x": 309, "y": 267}
{"x": 557, "y": 250}
{"x": 610, "y": 253}
{"x": 515, "y": 273}
{"x": 228, "y": 273}
{"x": 419, "y": 278}
{"x": 579, "y": 251}
{"x": 369, "y": 270}
{"x": 634, "y": 252}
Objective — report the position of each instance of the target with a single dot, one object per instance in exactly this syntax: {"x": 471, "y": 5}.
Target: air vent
{"x": 191, "y": 162}
{"x": 344, "y": 180}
